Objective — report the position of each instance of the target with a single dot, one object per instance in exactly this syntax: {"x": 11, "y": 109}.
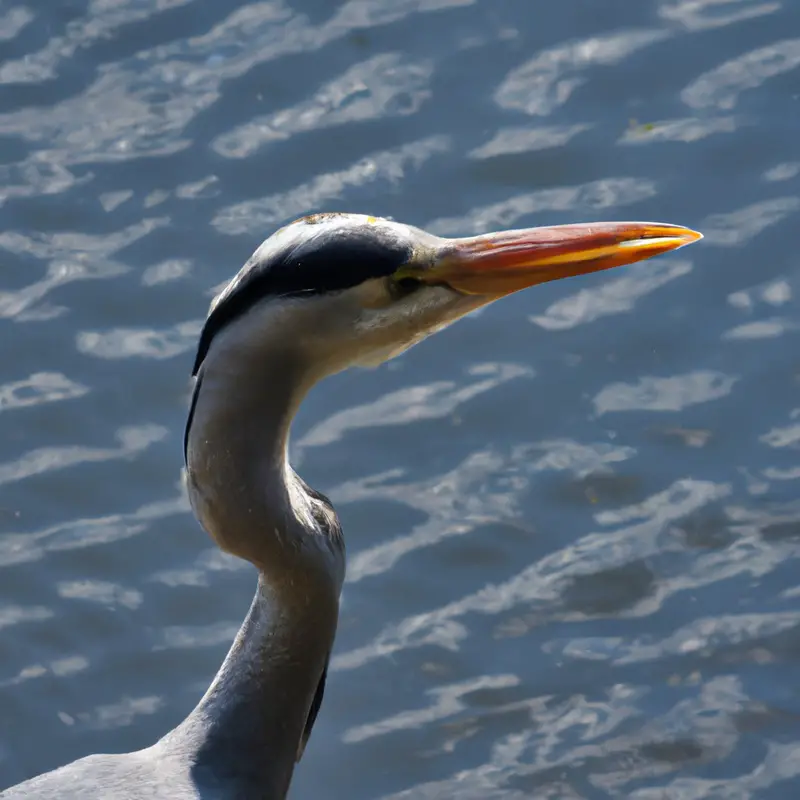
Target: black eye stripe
{"x": 331, "y": 261}
{"x": 409, "y": 284}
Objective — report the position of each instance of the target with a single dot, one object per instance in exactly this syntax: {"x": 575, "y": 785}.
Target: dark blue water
{"x": 573, "y": 520}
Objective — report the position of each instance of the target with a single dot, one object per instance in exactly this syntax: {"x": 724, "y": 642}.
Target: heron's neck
{"x": 250, "y": 722}
{"x": 245, "y": 733}
{"x": 240, "y": 483}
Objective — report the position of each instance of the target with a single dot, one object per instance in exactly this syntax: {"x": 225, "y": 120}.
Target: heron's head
{"x": 335, "y": 290}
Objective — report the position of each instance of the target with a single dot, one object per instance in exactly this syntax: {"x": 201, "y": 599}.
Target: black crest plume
{"x": 330, "y": 258}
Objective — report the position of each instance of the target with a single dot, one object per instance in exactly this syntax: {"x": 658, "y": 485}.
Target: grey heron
{"x": 324, "y": 293}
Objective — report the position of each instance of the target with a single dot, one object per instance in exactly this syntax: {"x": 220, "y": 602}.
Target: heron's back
{"x": 150, "y": 774}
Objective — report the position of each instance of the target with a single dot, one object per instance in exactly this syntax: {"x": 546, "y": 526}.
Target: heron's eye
{"x": 402, "y": 287}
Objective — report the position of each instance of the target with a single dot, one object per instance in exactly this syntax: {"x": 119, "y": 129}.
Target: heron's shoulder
{"x": 127, "y": 776}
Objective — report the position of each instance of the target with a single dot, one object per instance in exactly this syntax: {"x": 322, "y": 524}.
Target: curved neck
{"x": 248, "y": 727}
{"x": 245, "y": 733}
{"x": 238, "y": 475}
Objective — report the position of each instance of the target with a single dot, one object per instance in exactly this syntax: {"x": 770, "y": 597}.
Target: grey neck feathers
{"x": 250, "y": 724}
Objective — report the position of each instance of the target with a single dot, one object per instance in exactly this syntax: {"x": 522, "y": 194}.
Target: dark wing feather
{"x": 312, "y": 712}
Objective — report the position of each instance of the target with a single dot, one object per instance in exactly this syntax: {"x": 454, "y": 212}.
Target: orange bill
{"x": 499, "y": 263}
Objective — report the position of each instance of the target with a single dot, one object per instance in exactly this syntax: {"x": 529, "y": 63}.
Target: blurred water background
{"x": 573, "y": 520}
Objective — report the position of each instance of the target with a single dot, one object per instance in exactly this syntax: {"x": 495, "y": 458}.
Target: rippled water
{"x": 573, "y": 520}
